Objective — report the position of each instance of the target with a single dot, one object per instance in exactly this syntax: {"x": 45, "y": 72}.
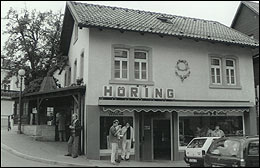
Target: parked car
{"x": 196, "y": 150}
{"x": 242, "y": 151}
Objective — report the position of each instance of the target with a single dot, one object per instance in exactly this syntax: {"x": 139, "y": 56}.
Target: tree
{"x": 33, "y": 44}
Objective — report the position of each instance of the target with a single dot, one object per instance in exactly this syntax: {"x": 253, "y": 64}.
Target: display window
{"x": 106, "y": 123}
{"x": 204, "y": 126}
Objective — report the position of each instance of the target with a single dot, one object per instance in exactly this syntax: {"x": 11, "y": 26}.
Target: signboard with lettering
{"x": 138, "y": 92}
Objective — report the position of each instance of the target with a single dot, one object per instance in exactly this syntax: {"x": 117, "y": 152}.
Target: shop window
{"x": 201, "y": 126}
{"x": 105, "y": 124}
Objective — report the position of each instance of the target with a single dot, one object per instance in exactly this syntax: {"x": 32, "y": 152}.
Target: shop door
{"x": 161, "y": 139}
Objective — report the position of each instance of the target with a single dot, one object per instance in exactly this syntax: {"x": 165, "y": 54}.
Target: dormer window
{"x": 165, "y": 19}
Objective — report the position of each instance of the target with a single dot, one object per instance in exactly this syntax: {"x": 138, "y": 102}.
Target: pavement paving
{"x": 53, "y": 153}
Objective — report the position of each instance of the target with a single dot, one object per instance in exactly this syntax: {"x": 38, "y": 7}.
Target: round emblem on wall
{"x": 182, "y": 69}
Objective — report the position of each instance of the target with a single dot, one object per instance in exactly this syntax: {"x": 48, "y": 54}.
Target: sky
{"x": 221, "y": 11}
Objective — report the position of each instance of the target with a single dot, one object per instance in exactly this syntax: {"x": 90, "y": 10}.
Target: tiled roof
{"x": 90, "y": 15}
{"x": 252, "y": 5}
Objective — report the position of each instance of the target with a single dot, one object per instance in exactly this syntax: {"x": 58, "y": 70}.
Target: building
{"x": 246, "y": 20}
{"x": 7, "y": 90}
{"x": 164, "y": 74}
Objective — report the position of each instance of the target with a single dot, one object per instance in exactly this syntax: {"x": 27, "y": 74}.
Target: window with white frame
{"x": 141, "y": 65}
{"x": 216, "y": 71}
{"x": 121, "y": 63}
{"x": 230, "y": 72}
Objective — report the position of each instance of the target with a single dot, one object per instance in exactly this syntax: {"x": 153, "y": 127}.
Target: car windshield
{"x": 197, "y": 143}
{"x": 226, "y": 148}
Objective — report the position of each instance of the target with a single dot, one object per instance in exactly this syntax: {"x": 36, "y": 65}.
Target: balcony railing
{"x": 9, "y": 93}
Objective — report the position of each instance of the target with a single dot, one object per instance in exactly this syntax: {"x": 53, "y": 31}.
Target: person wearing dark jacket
{"x": 73, "y": 142}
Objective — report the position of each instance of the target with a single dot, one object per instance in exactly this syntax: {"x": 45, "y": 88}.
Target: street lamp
{"x": 21, "y": 73}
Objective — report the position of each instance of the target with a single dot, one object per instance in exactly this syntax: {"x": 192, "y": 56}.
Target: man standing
{"x": 218, "y": 132}
{"x": 73, "y": 142}
{"x": 60, "y": 119}
{"x": 113, "y": 137}
{"x": 128, "y": 138}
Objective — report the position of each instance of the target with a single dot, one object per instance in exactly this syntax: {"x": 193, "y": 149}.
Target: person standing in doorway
{"x": 128, "y": 138}
{"x": 60, "y": 119}
{"x": 114, "y": 135}
{"x": 218, "y": 132}
{"x": 73, "y": 142}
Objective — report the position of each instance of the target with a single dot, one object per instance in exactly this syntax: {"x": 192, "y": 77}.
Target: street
{"x": 10, "y": 160}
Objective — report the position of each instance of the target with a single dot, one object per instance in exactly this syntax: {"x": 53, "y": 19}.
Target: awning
{"x": 173, "y": 109}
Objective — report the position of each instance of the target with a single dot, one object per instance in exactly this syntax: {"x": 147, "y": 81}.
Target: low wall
{"x": 41, "y": 132}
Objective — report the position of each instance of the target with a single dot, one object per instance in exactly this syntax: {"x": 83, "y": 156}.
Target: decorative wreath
{"x": 185, "y": 69}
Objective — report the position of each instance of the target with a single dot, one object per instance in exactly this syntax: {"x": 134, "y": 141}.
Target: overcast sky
{"x": 221, "y": 11}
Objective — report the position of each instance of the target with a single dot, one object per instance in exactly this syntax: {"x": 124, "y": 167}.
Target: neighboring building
{"x": 164, "y": 74}
{"x": 7, "y": 90}
{"x": 246, "y": 20}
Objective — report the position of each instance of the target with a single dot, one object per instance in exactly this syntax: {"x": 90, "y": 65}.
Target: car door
{"x": 222, "y": 154}
{"x": 252, "y": 159}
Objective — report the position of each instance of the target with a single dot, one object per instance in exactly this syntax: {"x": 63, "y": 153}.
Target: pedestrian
{"x": 73, "y": 142}
{"x": 127, "y": 140}
{"x": 60, "y": 120}
{"x": 218, "y": 132}
{"x": 9, "y": 123}
{"x": 114, "y": 136}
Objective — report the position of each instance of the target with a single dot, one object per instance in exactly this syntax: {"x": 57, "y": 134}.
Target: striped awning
{"x": 173, "y": 109}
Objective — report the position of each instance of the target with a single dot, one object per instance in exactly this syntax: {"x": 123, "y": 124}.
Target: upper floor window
{"x": 121, "y": 62}
{"x": 230, "y": 76}
{"x": 141, "y": 65}
{"x": 216, "y": 71}
{"x": 131, "y": 65}
{"x": 230, "y": 72}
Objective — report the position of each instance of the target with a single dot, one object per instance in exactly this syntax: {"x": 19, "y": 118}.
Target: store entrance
{"x": 161, "y": 139}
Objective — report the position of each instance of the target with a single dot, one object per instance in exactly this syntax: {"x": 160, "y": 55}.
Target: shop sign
{"x": 115, "y": 113}
{"x": 138, "y": 92}
{"x": 210, "y": 113}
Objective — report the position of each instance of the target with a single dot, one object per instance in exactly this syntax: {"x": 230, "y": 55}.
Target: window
{"x": 141, "y": 65}
{"x": 226, "y": 148}
{"x": 230, "y": 125}
{"x": 25, "y": 108}
{"x": 50, "y": 116}
{"x": 230, "y": 72}
{"x": 224, "y": 72}
{"x": 216, "y": 71}
{"x": 105, "y": 124}
{"x": 121, "y": 64}
{"x": 197, "y": 143}
{"x": 253, "y": 148}
{"x": 131, "y": 65}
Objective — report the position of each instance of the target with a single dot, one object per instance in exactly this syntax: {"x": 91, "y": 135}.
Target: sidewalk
{"x": 53, "y": 153}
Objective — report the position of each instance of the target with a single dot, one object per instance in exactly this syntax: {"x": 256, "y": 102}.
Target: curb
{"x": 28, "y": 157}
